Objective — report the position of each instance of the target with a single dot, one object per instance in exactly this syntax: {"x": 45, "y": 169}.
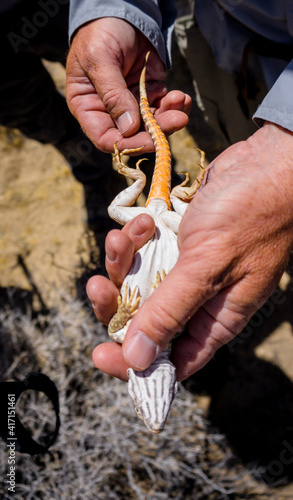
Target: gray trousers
{"x": 217, "y": 119}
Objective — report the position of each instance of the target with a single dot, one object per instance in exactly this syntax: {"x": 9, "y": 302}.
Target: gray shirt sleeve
{"x": 228, "y": 26}
{"x": 277, "y": 106}
{"x": 154, "y": 18}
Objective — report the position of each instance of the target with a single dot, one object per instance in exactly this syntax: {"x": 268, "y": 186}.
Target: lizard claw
{"x": 119, "y": 154}
{"x": 186, "y": 193}
{"x": 127, "y": 308}
{"x": 159, "y": 278}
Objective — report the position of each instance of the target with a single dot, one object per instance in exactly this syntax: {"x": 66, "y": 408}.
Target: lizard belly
{"x": 153, "y": 389}
{"x": 158, "y": 255}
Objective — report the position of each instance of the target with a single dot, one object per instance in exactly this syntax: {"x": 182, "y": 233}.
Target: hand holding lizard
{"x": 235, "y": 240}
{"x": 103, "y": 69}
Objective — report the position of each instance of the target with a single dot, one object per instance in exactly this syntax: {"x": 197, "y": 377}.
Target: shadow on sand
{"x": 252, "y": 399}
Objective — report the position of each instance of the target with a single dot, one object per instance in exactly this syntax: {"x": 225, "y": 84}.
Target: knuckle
{"x": 111, "y": 98}
{"x": 165, "y": 323}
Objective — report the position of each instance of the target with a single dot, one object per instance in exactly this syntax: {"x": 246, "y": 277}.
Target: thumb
{"x": 160, "y": 318}
{"x": 115, "y": 96}
{"x": 102, "y": 53}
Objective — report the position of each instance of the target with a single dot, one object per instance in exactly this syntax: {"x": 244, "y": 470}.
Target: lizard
{"x": 152, "y": 390}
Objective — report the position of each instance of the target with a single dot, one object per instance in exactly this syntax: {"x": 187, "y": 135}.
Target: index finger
{"x": 121, "y": 246}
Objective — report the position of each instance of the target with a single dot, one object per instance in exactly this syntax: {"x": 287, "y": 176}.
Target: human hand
{"x": 103, "y": 69}
{"x": 120, "y": 247}
{"x": 235, "y": 240}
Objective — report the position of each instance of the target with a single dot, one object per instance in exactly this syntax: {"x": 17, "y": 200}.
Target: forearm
{"x": 154, "y": 18}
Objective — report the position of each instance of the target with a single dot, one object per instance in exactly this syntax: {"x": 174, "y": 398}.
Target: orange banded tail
{"x": 161, "y": 181}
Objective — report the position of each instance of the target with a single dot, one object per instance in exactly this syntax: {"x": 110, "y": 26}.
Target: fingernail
{"x": 111, "y": 255}
{"x": 141, "y": 351}
{"x": 137, "y": 228}
{"x": 124, "y": 122}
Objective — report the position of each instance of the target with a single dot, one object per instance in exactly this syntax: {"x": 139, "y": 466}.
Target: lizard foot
{"x": 185, "y": 193}
{"x": 127, "y": 308}
{"x": 124, "y": 169}
{"x": 159, "y": 278}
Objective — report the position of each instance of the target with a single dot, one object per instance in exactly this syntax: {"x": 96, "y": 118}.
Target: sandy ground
{"x": 41, "y": 215}
{"x": 44, "y": 247}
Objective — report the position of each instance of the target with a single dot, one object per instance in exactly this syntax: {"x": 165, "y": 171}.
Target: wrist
{"x": 274, "y": 141}
{"x": 272, "y": 147}
{"x": 95, "y": 35}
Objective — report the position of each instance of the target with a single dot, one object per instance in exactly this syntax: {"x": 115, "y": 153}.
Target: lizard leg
{"x": 121, "y": 209}
{"x": 127, "y": 308}
{"x": 159, "y": 278}
{"x": 131, "y": 173}
{"x": 181, "y": 195}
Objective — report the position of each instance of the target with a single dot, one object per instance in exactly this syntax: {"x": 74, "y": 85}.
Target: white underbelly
{"x": 158, "y": 255}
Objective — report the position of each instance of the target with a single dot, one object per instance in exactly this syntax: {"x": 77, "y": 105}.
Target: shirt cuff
{"x": 277, "y": 106}
{"x": 153, "y": 18}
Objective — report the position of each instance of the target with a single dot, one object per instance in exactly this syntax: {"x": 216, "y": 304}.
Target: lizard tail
{"x": 161, "y": 181}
